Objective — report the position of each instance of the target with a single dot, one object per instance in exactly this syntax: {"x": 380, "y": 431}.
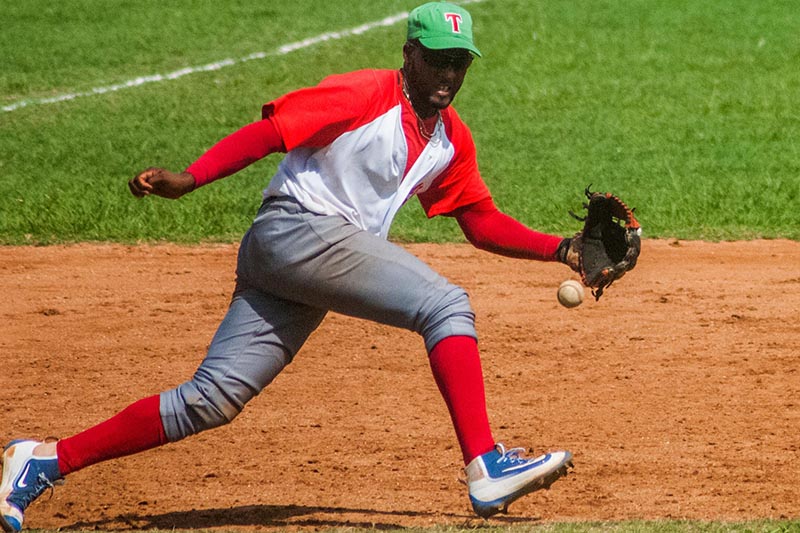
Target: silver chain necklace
{"x": 420, "y": 121}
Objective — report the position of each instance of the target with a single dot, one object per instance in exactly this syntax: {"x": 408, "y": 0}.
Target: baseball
{"x": 570, "y": 293}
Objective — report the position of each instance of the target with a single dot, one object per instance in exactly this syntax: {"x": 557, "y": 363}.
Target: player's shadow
{"x": 256, "y": 515}
{"x": 281, "y": 516}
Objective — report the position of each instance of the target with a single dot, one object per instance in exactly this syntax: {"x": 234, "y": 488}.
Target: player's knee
{"x": 200, "y": 405}
{"x": 450, "y": 314}
{"x": 212, "y": 405}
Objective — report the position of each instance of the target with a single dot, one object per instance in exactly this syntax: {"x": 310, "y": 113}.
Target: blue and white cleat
{"x": 25, "y": 478}
{"x": 499, "y": 477}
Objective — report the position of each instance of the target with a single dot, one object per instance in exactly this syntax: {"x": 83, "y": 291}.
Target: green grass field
{"x": 688, "y": 109}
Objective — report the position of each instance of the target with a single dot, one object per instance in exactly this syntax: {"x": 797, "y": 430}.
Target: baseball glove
{"x": 607, "y": 247}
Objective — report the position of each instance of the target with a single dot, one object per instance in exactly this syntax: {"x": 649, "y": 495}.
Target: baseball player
{"x": 358, "y": 146}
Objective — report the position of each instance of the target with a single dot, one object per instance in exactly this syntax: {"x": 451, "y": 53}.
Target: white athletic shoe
{"x": 499, "y": 477}
{"x": 25, "y": 478}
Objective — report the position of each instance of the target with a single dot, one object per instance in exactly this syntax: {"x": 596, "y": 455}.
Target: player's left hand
{"x": 608, "y": 245}
{"x": 161, "y": 182}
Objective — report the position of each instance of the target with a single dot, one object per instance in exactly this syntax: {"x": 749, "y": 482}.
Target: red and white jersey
{"x": 354, "y": 149}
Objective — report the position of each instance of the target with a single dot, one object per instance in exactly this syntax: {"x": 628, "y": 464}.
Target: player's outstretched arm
{"x": 489, "y": 229}
{"x": 161, "y": 182}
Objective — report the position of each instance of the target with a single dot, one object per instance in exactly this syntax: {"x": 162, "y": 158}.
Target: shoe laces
{"x": 23, "y": 498}
{"x": 511, "y": 456}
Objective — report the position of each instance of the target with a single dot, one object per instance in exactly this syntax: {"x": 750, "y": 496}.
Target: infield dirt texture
{"x": 678, "y": 392}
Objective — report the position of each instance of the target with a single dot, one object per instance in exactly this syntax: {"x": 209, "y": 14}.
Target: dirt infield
{"x": 678, "y": 392}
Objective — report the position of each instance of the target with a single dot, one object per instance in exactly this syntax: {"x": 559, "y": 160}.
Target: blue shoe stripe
{"x": 487, "y": 509}
{"x": 498, "y": 470}
{"x": 10, "y": 524}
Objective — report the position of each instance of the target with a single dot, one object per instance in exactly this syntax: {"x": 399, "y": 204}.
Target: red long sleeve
{"x": 489, "y": 229}
{"x": 236, "y": 151}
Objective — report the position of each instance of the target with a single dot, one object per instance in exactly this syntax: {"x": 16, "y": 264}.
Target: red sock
{"x": 456, "y": 367}
{"x": 136, "y": 428}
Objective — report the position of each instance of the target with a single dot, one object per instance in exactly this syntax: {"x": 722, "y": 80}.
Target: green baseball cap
{"x": 440, "y": 25}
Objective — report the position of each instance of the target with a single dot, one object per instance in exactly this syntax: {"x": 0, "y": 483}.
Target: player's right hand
{"x": 161, "y": 182}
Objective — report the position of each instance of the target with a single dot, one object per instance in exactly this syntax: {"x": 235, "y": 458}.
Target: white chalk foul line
{"x": 156, "y": 78}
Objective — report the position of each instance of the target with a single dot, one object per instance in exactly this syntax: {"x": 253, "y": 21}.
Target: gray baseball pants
{"x": 293, "y": 267}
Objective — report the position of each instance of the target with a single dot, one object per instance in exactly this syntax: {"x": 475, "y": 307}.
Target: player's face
{"x": 434, "y": 76}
